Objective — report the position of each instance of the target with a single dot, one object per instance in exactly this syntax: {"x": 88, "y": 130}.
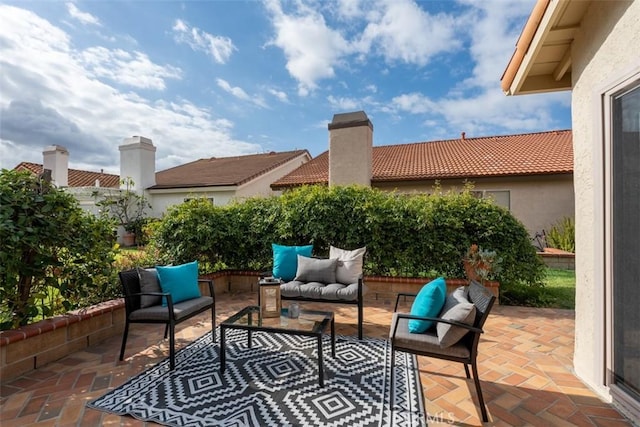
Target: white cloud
{"x": 130, "y": 68}
{"x": 46, "y": 81}
{"x": 312, "y": 48}
{"x": 403, "y": 31}
{"x": 350, "y": 9}
{"x": 282, "y": 96}
{"x": 397, "y": 30}
{"x": 483, "y": 113}
{"x": 218, "y": 47}
{"x": 492, "y": 38}
{"x": 415, "y": 103}
{"x": 239, "y": 93}
{"x": 343, "y": 104}
{"x": 84, "y": 17}
{"x": 476, "y": 104}
{"x": 235, "y": 91}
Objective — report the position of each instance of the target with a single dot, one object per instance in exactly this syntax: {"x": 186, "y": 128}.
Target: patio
{"x": 525, "y": 366}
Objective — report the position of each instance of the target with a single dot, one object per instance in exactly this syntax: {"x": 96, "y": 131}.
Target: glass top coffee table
{"x": 309, "y": 323}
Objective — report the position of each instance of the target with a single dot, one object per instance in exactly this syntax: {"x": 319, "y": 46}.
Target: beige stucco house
{"x": 593, "y": 49}
{"x": 529, "y": 174}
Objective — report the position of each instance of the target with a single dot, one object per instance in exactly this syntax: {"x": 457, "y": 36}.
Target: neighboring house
{"x": 84, "y": 185}
{"x": 77, "y": 177}
{"x": 219, "y": 179}
{"x": 222, "y": 179}
{"x": 529, "y": 174}
{"x": 593, "y": 49}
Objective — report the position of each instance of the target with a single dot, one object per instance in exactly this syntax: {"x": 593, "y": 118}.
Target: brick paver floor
{"x": 525, "y": 366}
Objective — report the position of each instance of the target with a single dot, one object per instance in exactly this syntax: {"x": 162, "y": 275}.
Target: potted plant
{"x": 481, "y": 264}
{"x": 127, "y": 207}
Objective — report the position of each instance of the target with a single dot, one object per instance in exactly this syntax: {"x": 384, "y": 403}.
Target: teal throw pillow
{"x": 428, "y": 303}
{"x": 285, "y": 260}
{"x": 181, "y": 281}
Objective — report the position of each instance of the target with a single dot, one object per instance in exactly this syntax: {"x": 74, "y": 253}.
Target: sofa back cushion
{"x": 316, "y": 270}
{"x": 285, "y": 260}
{"x": 349, "y": 267}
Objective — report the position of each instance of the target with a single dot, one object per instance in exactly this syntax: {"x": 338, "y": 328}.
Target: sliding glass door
{"x": 625, "y": 240}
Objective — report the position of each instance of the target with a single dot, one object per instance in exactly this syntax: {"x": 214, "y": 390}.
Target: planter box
{"x": 561, "y": 260}
{"x": 35, "y": 345}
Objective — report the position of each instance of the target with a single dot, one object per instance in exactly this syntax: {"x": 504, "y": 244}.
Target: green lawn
{"x": 560, "y": 288}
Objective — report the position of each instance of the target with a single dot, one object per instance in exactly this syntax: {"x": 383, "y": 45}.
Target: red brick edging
{"x": 57, "y": 322}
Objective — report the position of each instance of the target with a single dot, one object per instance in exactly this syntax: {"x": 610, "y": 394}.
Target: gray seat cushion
{"x": 181, "y": 309}
{"x": 317, "y": 290}
{"x": 424, "y": 342}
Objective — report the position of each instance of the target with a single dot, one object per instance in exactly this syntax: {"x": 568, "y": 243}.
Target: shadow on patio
{"x": 525, "y": 365}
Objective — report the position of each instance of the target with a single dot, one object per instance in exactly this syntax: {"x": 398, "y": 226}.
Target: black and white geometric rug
{"x": 274, "y": 383}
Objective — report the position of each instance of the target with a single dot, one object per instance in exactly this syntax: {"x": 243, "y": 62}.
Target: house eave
{"x": 157, "y": 189}
{"x": 542, "y": 59}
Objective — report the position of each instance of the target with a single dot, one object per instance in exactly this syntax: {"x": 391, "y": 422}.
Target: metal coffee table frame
{"x": 252, "y": 314}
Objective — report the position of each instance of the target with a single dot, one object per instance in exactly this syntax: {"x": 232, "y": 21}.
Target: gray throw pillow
{"x": 316, "y": 270}
{"x": 458, "y": 308}
{"x": 149, "y": 283}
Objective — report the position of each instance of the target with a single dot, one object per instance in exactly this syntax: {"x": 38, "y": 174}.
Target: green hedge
{"x": 405, "y": 235}
{"x": 54, "y": 256}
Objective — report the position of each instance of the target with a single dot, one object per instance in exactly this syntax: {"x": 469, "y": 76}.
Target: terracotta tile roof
{"x": 223, "y": 171}
{"x": 542, "y": 153}
{"x": 78, "y": 178}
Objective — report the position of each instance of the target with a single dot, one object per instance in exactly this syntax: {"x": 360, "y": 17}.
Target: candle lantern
{"x": 269, "y": 297}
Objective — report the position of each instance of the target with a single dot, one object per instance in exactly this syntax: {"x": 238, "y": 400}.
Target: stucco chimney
{"x": 138, "y": 162}
{"x": 56, "y": 159}
{"x": 350, "y": 149}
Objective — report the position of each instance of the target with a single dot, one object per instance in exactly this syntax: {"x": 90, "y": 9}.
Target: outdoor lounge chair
{"x": 170, "y": 315}
{"x": 464, "y": 351}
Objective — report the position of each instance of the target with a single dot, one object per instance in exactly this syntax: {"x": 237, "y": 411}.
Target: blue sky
{"x": 225, "y": 78}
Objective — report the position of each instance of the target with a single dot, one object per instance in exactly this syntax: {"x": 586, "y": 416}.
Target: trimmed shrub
{"x": 405, "y": 235}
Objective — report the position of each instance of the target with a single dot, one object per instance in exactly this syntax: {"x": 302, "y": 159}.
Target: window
{"x": 500, "y": 197}
{"x": 210, "y": 199}
{"x": 625, "y": 239}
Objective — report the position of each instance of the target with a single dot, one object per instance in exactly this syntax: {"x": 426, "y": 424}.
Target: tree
{"x": 126, "y": 206}
{"x": 48, "y": 242}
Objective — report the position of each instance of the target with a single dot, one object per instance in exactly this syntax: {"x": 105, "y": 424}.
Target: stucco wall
{"x": 604, "y": 51}
{"x": 539, "y": 202}
{"x": 262, "y": 185}
{"x": 162, "y": 199}
{"x": 350, "y": 155}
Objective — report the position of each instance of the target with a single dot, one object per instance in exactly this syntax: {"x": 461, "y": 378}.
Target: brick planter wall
{"x": 561, "y": 260}
{"x": 35, "y": 345}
